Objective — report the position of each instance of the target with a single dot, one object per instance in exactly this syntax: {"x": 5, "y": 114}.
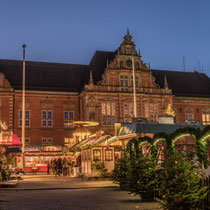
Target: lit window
{"x": 206, "y": 119}
{"x": 108, "y": 113}
{"x": 108, "y": 155}
{"x": 96, "y": 154}
{"x": 108, "y": 109}
{"x": 69, "y": 142}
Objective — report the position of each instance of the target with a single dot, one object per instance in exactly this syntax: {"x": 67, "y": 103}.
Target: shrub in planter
{"x": 180, "y": 186}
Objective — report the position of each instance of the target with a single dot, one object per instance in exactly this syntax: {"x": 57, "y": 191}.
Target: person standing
{"x": 59, "y": 163}
{"x": 65, "y": 166}
{"x": 48, "y": 167}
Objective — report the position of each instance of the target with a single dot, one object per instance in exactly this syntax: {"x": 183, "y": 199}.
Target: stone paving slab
{"x": 44, "y": 182}
{"x": 50, "y": 192}
{"x": 93, "y": 199}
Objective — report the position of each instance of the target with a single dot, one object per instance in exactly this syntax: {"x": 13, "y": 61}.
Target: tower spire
{"x": 128, "y": 31}
{"x": 91, "y": 78}
{"x": 165, "y": 83}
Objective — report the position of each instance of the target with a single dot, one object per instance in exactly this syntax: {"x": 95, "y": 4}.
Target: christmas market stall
{"x": 98, "y": 154}
{"x": 10, "y": 147}
{"x": 37, "y": 158}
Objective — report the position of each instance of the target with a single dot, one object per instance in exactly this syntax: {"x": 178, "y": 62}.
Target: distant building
{"x": 102, "y": 91}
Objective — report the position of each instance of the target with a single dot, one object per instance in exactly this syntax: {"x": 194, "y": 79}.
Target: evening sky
{"x": 70, "y": 31}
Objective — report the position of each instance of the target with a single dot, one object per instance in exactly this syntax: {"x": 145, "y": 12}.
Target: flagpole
{"x": 134, "y": 88}
{"x": 23, "y": 111}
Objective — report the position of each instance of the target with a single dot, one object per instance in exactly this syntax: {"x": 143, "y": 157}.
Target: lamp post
{"x": 23, "y": 111}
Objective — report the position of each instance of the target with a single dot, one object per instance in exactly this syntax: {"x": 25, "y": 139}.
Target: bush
{"x": 100, "y": 167}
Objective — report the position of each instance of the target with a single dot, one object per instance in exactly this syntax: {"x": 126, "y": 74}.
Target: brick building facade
{"x": 102, "y": 91}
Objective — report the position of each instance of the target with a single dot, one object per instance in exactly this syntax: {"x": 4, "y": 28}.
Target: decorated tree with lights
{"x": 181, "y": 183}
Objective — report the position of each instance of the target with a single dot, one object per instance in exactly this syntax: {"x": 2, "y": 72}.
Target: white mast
{"x": 23, "y": 111}
{"x": 134, "y": 88}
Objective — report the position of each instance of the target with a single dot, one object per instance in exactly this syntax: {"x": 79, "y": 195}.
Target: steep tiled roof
{"x": 184, "y": 83}
{"x": 98, "y": 63}
{"x": 72, "y": 77}
{"x": 45, "y": 76}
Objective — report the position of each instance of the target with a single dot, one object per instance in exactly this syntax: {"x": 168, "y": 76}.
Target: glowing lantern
{"x": 81, "y": 133}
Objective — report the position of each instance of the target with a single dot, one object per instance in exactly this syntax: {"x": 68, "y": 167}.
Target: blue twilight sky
{"x": 70, "y": 31}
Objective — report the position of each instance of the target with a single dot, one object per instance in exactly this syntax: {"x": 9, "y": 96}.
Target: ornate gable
{"x": 117, "y": 76}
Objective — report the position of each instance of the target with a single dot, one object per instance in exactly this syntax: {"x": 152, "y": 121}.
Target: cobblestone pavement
{"x": 44, "y": 192}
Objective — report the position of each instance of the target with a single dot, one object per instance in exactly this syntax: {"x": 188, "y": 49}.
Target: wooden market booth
{"x": 99, "y": 147}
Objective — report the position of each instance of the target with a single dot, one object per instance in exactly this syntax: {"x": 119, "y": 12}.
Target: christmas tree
{"x": 143, "y": 177}
{"x": 121, "y": 171}
{"x": 181, "y": 183}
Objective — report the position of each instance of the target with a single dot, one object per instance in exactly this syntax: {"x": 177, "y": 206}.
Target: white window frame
{"x": 46, "y": 119}
{"x": 47, "y": 142}
{"x": 26, "y": 143}
{"x": 27, "y": 118}
{"x": 108, "y": 112}
{"x": 68, "y": 119}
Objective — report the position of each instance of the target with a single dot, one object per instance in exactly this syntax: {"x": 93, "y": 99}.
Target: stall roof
{"x": 11, "y": 142}
{"x": 152, "y": 128}
{"x": 96, "y": 141}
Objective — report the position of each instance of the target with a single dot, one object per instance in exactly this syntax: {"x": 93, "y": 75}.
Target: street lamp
{"x": 23, "y": 111}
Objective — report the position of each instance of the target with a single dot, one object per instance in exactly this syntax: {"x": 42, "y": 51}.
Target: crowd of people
{"x": 60, "y": 166}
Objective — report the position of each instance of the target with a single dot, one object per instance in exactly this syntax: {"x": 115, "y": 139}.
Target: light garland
{"x": 201, "y": 143}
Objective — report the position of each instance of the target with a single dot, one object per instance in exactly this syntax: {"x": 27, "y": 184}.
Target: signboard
{"x": 52, "y": 149}
{"x": 32, "y": 149}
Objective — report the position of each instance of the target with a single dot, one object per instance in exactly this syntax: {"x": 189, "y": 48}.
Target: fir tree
{"x": 181, "y": 183}
{"x": 121, "y": 171}
{"x": 144, "y": 177}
